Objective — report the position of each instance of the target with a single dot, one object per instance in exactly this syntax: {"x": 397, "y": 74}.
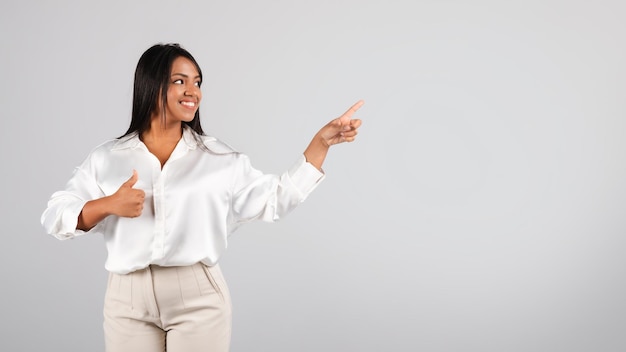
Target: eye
{"x": 198, "y": 84}
{"x": 178, "y": 81}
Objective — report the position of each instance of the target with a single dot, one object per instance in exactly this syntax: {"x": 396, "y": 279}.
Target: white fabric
{"x": 192, "y": 204}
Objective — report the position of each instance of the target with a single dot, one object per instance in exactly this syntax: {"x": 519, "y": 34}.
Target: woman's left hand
{"x": 342, "y": 129}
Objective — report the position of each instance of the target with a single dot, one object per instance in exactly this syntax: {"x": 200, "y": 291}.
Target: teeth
{"x": 188, "y": 103}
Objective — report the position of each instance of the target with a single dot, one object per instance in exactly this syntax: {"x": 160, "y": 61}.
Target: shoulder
{"x": 209, "y": 143}
{"x": 104, "y": 148}
{"x": 98, "y": 155}
{"x": 217, "y": 146}
{"x": 110, "y": 146}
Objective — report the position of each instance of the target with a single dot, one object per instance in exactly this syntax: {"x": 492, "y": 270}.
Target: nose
{"x": 192, "y": 90}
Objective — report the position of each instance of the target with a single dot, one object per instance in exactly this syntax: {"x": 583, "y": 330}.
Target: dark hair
{"x": 152, "y": 78}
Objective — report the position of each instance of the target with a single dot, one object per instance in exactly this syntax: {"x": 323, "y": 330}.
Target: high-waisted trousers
{"x": 173, "y": 309}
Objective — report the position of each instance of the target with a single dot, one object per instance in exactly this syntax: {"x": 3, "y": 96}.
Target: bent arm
{"x": 126, "y": 202}
{"x": 61, "y": 216}
{"x": 83, "y": 205}
{"x": 93, "y": 212}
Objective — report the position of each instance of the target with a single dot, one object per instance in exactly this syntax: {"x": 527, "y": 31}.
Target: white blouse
{"x": 191, "y": 206}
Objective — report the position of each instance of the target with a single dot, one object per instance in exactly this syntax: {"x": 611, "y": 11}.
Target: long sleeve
{"x": 61, "y": 215}
{"x": 270, "y": 197}
{"x": 192, "y": 203}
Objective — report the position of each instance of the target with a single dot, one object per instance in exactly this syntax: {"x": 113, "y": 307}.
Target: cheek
{"x": 172, "y": 93}
{"x": 172, "y": 97}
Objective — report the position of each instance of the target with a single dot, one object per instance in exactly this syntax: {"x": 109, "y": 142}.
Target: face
{"x": 183, "y": 93}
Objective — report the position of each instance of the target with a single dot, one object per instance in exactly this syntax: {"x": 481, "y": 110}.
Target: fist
{"x": 128, "y": 201}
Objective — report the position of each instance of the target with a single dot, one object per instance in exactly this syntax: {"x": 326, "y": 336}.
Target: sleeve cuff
{"x": 304, "y": 176}
{"x": 70, "y": 221}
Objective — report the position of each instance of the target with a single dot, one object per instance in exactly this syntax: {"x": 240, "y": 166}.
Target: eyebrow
{"x": 184, "y": 75}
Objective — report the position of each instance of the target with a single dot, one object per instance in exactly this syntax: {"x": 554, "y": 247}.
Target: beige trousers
{"x": 174, "y": 309}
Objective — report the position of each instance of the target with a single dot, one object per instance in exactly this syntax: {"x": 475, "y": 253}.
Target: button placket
{"x": 159, "y": 215}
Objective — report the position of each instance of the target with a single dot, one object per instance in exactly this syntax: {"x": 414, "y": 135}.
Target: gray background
{"x": 480, "y": 209}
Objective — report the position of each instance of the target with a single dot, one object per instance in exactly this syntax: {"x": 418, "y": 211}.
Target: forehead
{"x": 183, "y": 65}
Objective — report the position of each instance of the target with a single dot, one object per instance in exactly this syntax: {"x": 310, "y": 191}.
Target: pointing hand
{"x": 342, "y": 129}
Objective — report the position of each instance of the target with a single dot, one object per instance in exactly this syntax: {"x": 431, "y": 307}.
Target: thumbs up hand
{"x": 128, "y": 201}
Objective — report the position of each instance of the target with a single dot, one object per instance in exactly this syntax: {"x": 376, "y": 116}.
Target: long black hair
{"x": 152, "y": 79}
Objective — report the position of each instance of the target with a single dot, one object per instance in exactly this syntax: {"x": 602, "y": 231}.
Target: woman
{"x": 165, "y": 196}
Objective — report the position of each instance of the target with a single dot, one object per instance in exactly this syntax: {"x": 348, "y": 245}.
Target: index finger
{"x": 353, "y": 109}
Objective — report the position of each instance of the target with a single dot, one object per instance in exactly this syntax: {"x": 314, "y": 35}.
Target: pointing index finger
{"x": 353, "y": 109}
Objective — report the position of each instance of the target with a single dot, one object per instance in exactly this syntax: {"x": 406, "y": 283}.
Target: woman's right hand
{"x": 125, "y": 202}
{"x": 128, "y": 201}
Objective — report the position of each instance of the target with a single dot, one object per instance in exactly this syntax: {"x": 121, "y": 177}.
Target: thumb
{"x": 132, "y": 180}
{"x": 344, "y": 120}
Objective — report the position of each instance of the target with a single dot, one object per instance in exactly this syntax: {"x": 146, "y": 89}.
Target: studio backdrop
{"x": 480, "y": 209}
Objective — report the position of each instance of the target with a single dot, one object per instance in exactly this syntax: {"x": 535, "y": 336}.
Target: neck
{"x": 163, "y": 132}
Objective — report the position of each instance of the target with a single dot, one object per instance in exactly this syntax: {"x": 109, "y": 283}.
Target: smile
{"x": 189, "y": 104}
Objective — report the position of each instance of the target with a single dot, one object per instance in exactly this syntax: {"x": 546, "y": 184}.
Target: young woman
{"x": 165, "y": 196}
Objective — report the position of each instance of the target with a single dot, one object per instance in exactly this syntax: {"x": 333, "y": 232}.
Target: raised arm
{"x": 342, "y": 129}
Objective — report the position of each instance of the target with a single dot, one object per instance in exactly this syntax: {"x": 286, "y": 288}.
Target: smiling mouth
{"x": 188, "y": 104}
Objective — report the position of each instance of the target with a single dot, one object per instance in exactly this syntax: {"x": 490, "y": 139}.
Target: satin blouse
{"x": 191, "y": 206}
